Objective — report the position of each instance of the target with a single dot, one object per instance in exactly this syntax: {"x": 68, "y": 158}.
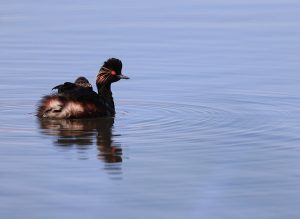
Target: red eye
{"x": 113, "y": 73}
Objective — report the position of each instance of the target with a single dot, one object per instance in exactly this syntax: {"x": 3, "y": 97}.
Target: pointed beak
{"x": 122, "y": 77}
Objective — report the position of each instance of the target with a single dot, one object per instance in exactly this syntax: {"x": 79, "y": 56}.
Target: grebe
{"x": 79, "y": 82}
{"x": 78, "y": 100}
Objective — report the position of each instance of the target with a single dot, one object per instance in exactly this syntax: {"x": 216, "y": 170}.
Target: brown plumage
{"x": 78, "y": 100}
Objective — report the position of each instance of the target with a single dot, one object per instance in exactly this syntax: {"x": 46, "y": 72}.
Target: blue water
{"x": 207, "y": 126}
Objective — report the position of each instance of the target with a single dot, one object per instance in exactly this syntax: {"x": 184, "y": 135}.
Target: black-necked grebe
{"x": 78, "y": 100}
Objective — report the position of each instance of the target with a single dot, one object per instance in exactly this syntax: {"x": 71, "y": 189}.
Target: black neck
{"x": 104, "y": 91}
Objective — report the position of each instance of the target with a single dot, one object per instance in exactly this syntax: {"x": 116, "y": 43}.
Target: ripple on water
{"x": 174, "y": 122}
{"x": 159, "y": 122}
{"x": 16, "y": 117}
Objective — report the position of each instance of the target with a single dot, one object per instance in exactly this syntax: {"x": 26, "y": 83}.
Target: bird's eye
{"x": 113, "y": 73}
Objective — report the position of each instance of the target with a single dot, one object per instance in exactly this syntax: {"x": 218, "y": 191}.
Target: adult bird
{"x": 78, "y": 100}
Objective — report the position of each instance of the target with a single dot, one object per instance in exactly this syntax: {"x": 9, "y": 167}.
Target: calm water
{"x": 207, "y": 127}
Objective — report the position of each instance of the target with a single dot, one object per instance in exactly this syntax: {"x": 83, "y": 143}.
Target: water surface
{"x": 207, "y": 126}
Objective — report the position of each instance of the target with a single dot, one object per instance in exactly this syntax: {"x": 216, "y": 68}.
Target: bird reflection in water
{"x": 82, "y": 133}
